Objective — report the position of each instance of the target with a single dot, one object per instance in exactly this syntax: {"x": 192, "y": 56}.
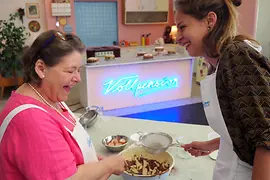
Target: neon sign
{"x": 133, "y": 84}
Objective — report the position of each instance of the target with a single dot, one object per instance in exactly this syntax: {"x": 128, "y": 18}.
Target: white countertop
{"x": 129, "y": 56}
{"x": 200, "y": 168}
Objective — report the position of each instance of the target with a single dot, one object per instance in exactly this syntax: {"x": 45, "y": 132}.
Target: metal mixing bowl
{"x": 129, "y": 153}
{"x": 119, "y": 148}
{"x": 89, "y": 118}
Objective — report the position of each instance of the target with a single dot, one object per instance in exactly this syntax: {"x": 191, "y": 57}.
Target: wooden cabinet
{"x": 162, "y": 5}
{"x": 132, "y": 5}
{"x": 146, "y": 5}
{"x": 146, "y": 11}
{"x": 10, "y": 81}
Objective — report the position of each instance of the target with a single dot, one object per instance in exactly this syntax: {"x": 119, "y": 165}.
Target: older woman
{"x": 236, "y": 92}
{"x": 39, "y": 136}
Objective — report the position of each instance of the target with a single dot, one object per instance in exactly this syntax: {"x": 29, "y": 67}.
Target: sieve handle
{"x": 203, "y": 151}
{"x": 141, "y": 134}
{"x": 178, "y": 144}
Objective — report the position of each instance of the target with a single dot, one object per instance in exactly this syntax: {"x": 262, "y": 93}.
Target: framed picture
{"x": 32, "y": 10}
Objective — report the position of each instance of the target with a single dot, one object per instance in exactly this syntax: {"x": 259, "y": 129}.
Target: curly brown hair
{"x": 225, "y": 29}
{"x": 50, "y": 49}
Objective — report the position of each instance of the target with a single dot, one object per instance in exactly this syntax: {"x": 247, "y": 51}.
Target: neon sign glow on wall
{"x": 137, "y": 87}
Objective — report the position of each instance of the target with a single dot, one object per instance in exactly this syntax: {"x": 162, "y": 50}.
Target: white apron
{"x": 228, "y": 165}
{"x": 79, "y": 134}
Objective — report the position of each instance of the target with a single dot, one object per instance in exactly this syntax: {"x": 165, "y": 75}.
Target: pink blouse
{"x": 36, "y": 144}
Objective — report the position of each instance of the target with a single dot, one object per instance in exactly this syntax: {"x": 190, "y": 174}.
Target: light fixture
{"x": 173, "y": 33}
{"x": 173, "y": 30}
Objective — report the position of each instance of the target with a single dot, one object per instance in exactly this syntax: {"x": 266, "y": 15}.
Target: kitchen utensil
{"x": 156, "y": 143}
{"x": 180, "y": 152}
{"x": 89, "y": 118}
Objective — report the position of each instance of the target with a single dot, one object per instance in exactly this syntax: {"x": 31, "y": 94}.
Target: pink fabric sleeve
{"x": 39, "y": 148}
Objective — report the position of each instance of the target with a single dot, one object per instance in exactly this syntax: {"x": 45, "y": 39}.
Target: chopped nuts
{"x": 144, "y": 166}
{"x": 123, "y": 141}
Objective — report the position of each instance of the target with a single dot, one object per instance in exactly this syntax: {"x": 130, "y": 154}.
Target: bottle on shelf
{"x": 143, "y": 40}
{"x": 147, "y": 39}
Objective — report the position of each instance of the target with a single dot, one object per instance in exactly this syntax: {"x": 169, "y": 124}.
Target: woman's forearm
{"x": 92, "y": 171}
{"x": 105, "y": 176}
{"x": 260, "y": 170}
{"x": 214, "y": 143}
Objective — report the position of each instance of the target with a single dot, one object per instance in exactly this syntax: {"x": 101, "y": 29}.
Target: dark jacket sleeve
{"x": 246, "y": 77}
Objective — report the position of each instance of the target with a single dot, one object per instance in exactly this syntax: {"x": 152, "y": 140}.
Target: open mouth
{"x": 67, "y": 88}
{"x": 186, "y": 44}
{"x": 183, "y": 42}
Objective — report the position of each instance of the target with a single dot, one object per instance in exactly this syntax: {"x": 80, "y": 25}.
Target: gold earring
{"x": 209, "y": 28}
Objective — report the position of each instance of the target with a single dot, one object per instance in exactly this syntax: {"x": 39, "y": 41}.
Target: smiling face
{"x": 191, "y": 33}
{"x": 60, "y": 78}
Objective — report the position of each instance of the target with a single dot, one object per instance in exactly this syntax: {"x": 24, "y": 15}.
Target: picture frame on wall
{"x": 32, "y": 10}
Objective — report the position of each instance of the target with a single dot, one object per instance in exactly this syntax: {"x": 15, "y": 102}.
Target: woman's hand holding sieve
{"x": 201, "y": 148}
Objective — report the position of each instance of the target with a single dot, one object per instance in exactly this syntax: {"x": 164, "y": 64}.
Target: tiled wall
{"x": 96, "y": 22}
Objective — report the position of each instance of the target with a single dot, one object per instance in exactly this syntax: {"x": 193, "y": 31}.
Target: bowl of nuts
{"x": 115, "y": 143}
{"x": 141, "y": 165}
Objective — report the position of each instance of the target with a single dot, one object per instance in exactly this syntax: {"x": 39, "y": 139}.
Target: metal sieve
{"x": 158, "y": 142}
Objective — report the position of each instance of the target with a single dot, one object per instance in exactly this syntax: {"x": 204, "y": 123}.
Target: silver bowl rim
{"x": 126, "y": 138}
{"x": 142, "y": 138}
{"x": 150, "y": 176}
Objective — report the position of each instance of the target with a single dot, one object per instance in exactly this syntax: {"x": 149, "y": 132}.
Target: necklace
{"x": 51, "y": 106}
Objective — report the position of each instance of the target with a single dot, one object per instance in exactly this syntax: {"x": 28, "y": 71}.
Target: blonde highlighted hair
{"x": 225, "y": 29}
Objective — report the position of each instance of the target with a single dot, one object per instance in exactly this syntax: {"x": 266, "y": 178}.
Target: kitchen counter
{"x": 135, "y": 60}
{"x": 130, "y": 81}
{"x": 200, "y": 168}
{"x": 129, "y": 56}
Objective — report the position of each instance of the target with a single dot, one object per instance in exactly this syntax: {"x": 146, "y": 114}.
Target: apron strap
{"x": 12, "y": 114}
{"x": 63, "y": 104}
{"x": 70, "y": 112}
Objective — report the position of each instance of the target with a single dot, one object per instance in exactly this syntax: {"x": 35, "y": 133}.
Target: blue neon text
{"x": 133, "y": 84}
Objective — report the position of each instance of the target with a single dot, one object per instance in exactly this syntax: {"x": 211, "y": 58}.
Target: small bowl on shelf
{"x": 115, "y": 143}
